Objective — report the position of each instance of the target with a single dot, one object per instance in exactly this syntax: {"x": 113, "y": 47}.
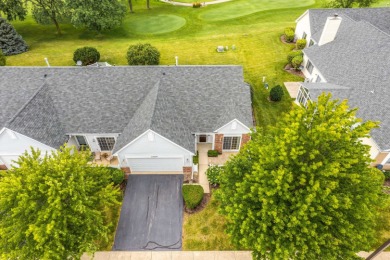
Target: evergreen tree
{"x": 11, "y": 42}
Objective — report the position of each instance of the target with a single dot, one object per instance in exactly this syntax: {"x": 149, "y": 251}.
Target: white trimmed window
{"x": 309, "y": 67}
{"x": 304, "y": 35}
{"x": 303, "y": 96}
{"x": 106, "y": 143}
{"x": 231, "y": 142}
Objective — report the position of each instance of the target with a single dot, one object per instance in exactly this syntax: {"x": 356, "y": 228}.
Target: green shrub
{"x": 87, "y": 55}
{"x": 212, "y": 153}
{"x": 143, "y": 54}
{"x": 196, "y": 5}
{"x": 301, "y": 44}
{"x": 193, "y": 195}
{"x": 276, "y": 93}
{"x": 2, "y": 59}
{"x": 292, "y": 54}
{"x": 195, "y": 158}
{"x": 289, "y": 34}
{"x": 213, "y": 174}
{"x": 296, "y": 62}
{"x": 117, "y": 175}
{"x": 387, "y": 175}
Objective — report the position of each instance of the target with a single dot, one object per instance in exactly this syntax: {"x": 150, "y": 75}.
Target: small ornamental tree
{"x": 2, "y": 59}
{"x": 53, "y": 207}
{"x": 143, "y": 54}
{"x": 289, "y": 34}
{"x": 87, "y": 55}
{"x": 304, "y": 189}
{"x": 301, "y": 44}
{"x": 213, "y": 174}
{"x": 11, "y": 42}
{"x": 276, "y": 93}
{"x": 296, "y": 62}
{"x": 292, "y": 54}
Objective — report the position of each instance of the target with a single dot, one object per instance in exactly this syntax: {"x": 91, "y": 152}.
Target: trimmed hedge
{"x": 213, "y": 174}
{"x": 289, "y": 33}
{"x": 296, "y": 62}
{"x": 301, "y": 44}
{"x": 193, "y": 195}
{"x": 196, "y": 5}
{"x": 292, "y": 54}
{"x": 276, "y": 93}
{"x": 143, "y": 54}
{"x": 87, "y": 55}
{"x": 117, "y": 175}
{"x": 2, "y": 59}
{"x": 212, "y": 153}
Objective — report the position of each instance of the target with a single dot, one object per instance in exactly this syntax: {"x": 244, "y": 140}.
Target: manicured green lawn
{"x": 205, "y": 230}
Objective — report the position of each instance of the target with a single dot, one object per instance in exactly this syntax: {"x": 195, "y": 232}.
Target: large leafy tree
{"x": 44, "y": 11}
{"x": 52, "y": 207}
{"x": 13, "y": 9}
{"x": 97, "y": 15}
{"x": 350, "y": 3}
{"x": 304, "y": 189}
{"x": 10, "y": 41}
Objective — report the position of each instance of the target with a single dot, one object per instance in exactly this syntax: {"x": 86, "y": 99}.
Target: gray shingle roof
{"x": 378, "y": 17}
{"x": 356, "y": 64}
{"x": 173, "y": 101}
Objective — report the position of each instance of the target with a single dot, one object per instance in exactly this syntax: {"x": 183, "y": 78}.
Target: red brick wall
{"x": 3, "y": 167}
{"x": 187, "y": 169}
{"x": 218, "y": 142}
{"x": 245, "y": 138}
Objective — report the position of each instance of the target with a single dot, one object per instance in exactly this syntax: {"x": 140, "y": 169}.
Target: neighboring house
{"x": 146, "y": 118}
{"x": 348, "y": 54}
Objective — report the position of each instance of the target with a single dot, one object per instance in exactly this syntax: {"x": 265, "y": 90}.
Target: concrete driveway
{"x": 152, "y": 213}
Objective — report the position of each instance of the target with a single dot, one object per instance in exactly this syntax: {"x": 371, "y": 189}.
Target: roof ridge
{"x": 370, "y": 24}
{"x": 26, "y": 104}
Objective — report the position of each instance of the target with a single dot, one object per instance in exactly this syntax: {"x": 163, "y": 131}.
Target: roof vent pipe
{"x": 330, "y": 29}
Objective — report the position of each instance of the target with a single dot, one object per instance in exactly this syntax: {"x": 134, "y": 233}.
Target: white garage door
{"x": 155, "y": 164}
{"x": 8, "y": 160}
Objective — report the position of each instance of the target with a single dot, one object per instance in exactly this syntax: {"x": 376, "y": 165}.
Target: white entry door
{"x": 155, "y": 164}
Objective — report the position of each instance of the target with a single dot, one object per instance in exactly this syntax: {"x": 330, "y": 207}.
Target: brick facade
{"x": 3, "y": 167}
{"x": 245, "y": 138}
{"x": 218, "y": 142}
{"x": 187, "y": 169}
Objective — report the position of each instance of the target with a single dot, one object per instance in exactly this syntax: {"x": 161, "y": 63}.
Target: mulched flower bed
{"x": 293, "y": 71}
{"x": 283, "y": 39}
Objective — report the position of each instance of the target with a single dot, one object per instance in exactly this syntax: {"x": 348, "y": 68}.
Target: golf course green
{"x": 157, "y": 24}
{"x": 240, "y": 8}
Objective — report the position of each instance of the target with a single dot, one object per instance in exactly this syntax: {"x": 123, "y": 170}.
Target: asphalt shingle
{"x": 173, "y": 101}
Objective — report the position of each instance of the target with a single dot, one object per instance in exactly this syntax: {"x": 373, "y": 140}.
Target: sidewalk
{"x": 171, "y": 255}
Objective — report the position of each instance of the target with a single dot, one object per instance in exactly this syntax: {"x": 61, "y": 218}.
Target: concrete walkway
{"x": 190, "y": 4}
{"x": 203, "y": 166}
{"x": 189, "y": 255}
{"x": 167, "y": 255}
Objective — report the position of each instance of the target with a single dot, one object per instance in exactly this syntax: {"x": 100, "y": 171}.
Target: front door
{"x": 202, "y": 138}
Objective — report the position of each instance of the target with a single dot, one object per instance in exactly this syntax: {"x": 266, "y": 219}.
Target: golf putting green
{"x": 157, "y": 24}
{"x": 239, "y": 8}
